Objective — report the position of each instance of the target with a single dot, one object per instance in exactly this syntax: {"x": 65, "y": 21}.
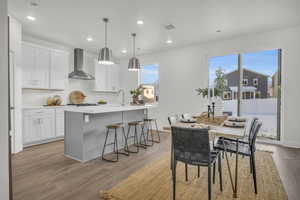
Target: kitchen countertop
{"x": 105, "y": 108}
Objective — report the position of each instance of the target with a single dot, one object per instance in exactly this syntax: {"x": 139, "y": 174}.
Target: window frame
{"x": 255, "y": 80}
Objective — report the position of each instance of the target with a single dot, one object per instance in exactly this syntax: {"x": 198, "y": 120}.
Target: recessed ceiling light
{"x": 140, "y": 22}
{"x": 169, "y": 41}
{"x": 124, "y": 51}
{"x": 31, "y": 18}
{"x": 89, "y": 39}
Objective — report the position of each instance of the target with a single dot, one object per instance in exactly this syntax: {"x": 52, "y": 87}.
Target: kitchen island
{"x": 85, "y": 128}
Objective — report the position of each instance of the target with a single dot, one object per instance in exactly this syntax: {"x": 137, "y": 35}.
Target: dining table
{"x": 214, "y": 132}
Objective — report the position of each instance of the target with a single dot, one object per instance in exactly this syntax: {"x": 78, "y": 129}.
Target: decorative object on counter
{"x": 105, "y": 54}
{"x": 136, "y": 94}
{"x": 148, "y": 94}
{"x": 102, "y": 102}
{"x": 77, "y": 97}
{"x": 54, "y": 101}
{"x": 235, "y": 122}
{"x": 134, "y": 63}
{"x": 203, "y": 118}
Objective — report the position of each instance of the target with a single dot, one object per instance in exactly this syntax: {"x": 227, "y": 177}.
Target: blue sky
{"x": 264, "y": 62}
{"x": 149, "y": 74}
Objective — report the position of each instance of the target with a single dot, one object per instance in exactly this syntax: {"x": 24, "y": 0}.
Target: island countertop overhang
{"x": 106, "y": 108}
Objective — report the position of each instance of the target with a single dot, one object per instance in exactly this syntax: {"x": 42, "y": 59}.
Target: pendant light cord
{"x": 106, "y": 34}
{"x": 133, "y": 35}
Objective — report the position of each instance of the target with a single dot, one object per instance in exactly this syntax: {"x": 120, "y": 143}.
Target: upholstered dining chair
{"x": 191, "y": 146}
{"x": 245, "y": 148}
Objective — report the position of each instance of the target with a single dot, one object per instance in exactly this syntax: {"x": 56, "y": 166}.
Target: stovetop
{"x": 83, "y": 104}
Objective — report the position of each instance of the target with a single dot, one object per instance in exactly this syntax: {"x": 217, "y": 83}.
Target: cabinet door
{"x": 47, "y": 125}
{"x": 31, "y": 128}
{"x": 59, "y": 69}
{"x": 28, "y": 60}
{"x": 36, "y": 66}
{"x": 42, "y": 68}
{"x": 115, "y": 78}
{"x": 60, "y": 122}
{"x": 100, "y": 77}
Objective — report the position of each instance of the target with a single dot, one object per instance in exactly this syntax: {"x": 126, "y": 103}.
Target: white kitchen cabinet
{"x": 28, "y": 60}
{"x": 60, "y": 122}
{"x": 107, "y": 78}
{"x": 59, "y": 69}
{"x": 44, "y": 68}
{"x": 38, "y": 125}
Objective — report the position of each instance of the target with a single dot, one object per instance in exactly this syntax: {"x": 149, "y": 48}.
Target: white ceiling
{"x": 71, "y": 21}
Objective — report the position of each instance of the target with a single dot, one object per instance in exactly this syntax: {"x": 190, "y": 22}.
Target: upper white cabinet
{"x": 107, "y": 77}
{"x": 44, "y": 68}
{"x": 59, "y": 69}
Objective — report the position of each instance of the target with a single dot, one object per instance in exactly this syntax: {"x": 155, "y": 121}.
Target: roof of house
{"x": 248, "y": 71}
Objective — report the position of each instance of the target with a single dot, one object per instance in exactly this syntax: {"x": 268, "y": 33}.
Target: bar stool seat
{"x": 134, "y": 123}
{"x": 115, "y": 127}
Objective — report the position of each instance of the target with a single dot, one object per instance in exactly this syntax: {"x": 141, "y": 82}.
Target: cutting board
{"x": 77, "y": 97}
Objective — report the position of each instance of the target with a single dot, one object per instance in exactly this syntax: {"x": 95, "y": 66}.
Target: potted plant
{"x": 135, "y": 95}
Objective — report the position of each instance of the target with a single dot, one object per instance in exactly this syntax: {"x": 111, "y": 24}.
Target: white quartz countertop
{"x": 105, "y": 108}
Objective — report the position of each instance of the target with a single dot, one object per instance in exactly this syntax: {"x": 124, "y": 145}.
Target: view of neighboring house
{"x": 255, "y": 85}
{"x": 275, "y": 85}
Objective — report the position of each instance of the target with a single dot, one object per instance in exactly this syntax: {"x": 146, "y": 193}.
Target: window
{"x": 245, "y": 81}
{"x": 226, "y": 95}
{"x": 255, "y": 81}
{"x": 149, "y": 80}
{"x": 226, "y": 82}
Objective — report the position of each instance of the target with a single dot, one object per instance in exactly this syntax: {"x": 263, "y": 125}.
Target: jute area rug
{"x": 153, "y": 182}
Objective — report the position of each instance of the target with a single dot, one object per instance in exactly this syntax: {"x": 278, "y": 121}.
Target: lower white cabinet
{"x": 42, "y": 125}
{"x": 59, "y": 122}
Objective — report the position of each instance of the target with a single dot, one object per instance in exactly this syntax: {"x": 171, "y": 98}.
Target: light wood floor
{"x": 43, "y": 173}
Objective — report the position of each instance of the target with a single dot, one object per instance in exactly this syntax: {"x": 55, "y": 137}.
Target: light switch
{"x": 86, "y": 118}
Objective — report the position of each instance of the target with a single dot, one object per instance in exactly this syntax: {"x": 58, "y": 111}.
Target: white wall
{"x": 38, "y": 97}
{"x": 4, "y": 182}
{"x": 184, "y": 69}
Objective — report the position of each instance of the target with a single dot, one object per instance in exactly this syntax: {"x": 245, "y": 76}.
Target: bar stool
{"x": 136, "y": 142}
{"x": 148, "y": 122}
{"x": 115, "y": 127}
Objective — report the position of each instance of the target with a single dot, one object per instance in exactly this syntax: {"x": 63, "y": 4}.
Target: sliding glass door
{"x": 252, "y": 87}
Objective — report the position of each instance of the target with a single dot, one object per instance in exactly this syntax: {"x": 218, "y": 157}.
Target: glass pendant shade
{"x": 134, "y": 63}
{"x": 105, "y": 54}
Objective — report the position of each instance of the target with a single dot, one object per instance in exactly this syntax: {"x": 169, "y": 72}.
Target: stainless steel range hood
{"x": 78, "y": 72}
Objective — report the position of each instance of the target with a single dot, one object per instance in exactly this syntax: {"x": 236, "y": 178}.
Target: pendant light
{"x": 105, "y": 54}
{"x": 134, "y": 63}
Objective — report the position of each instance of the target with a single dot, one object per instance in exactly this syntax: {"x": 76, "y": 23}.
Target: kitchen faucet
{"x": 123, "y": 96}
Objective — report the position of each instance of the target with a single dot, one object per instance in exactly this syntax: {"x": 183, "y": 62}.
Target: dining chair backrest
{"x": 187, "y": 116}
{"x": 191, "y": 145}
{"x": 253, "y": 135}
{"x": 173, "y": 119}
{"x": 250, "y": 126}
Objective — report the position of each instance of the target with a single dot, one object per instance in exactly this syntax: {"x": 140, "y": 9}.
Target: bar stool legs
{"x": 150, "y": 130}
{"x": 135, "y": 138}
{"x": 115, "y": 143}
